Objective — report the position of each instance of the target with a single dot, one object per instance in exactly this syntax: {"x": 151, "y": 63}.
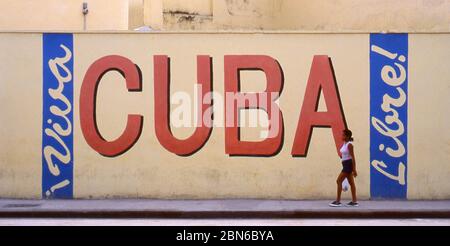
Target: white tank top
{"x": 345, "y": 152}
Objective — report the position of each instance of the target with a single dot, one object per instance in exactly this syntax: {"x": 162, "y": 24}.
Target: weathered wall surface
{"x": 429, "y": 98}
{"x": 149, "y": 170}
{"x": 324, "y": 15}
{"x": 368, "y": 15}
{"x": 136, "y": 14}
{"x": 57, "y": 15}
{"x": 195, "y": 15}
{"x": 321, "y": 15}
{"x": 252, "y": 14}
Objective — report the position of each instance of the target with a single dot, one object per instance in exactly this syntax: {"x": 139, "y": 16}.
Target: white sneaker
{"x": 335, "y": 204}
{"x": 352, "y": 204}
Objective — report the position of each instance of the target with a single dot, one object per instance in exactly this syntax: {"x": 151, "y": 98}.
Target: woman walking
{"x": 348, "y": 169}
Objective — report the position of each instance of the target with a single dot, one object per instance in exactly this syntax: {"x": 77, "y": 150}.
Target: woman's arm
{"x": 350, "y": 149}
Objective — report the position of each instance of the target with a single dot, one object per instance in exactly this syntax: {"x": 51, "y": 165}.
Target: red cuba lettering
{"x": 321, "y": 79}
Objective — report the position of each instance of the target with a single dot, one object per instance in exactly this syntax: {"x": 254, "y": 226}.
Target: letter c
{"x": 88, "y": 95}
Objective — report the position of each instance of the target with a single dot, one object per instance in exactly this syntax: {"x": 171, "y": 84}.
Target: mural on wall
{"x": 57, "y": 125}
{"x": 388, "y": 115}
{"x": 388, "y": 110}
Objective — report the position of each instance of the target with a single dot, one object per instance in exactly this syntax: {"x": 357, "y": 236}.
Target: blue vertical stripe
{"x": 57, "y": 125}
{"x": 388, "y": 116}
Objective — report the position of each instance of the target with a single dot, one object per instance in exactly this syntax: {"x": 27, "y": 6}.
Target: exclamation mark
{"x": 57, "y": 186}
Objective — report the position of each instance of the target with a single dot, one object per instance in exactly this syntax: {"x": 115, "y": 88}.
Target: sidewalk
{"x": 231, "y": 208}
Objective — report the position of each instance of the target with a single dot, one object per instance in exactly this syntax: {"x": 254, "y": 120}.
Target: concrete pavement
{"x": 219, "y": 222}
{"x": 229, "y": 208}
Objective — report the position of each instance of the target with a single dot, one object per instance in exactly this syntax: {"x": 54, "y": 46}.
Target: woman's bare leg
{"x": 351, "y": 180}
{"x": 339, "y": 180}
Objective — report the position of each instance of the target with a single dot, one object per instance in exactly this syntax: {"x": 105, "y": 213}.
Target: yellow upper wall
{"x": 366, "y": 15}
{"x": 320, "y": 15}
{"x": 63, "y": 15}
{"x": 201, "y": 7}
{"x": 135, "y": 14}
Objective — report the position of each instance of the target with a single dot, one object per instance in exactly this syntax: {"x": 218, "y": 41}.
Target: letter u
{"x": 196, "y": 141}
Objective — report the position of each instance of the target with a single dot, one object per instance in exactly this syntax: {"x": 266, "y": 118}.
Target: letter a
{"x": 321, "y": 77}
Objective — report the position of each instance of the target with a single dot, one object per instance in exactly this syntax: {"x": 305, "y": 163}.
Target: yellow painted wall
{"x": 171, "y": 14}
{"x": 136, "y": 14}
{"x": 63, "y": 15}
{"x": 201, "y": 7}
{"x": 251, "y": 14}
{"x": 153, "y": 14}
{"x": 429, "y": 97}
{"x": 19, "y": 177}
{"x": 320, "y": 15}
{"x": 366, "y": 15}
{"x": 148, "y": 170}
